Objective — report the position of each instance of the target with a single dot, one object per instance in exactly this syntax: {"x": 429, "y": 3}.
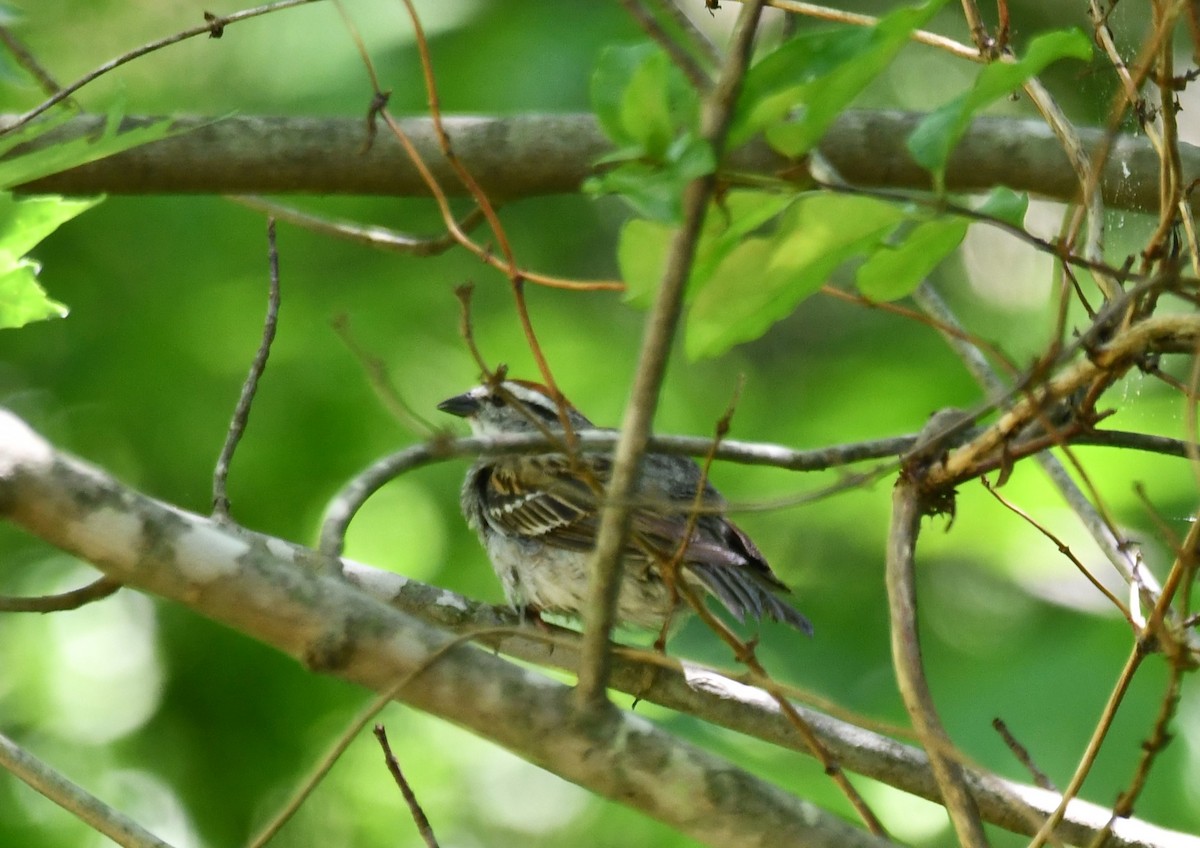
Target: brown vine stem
{"x": 1153, "y": 636}
{"x": 678, "y": 52}
{"x": 825, "y": 13}
{"x": 605, "y": 565}
{"x": 907, "y": 509}
{"x": 1098, "y": 736}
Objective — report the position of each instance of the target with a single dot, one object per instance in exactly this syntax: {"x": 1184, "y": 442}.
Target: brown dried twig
{"x": 418, "y": 814}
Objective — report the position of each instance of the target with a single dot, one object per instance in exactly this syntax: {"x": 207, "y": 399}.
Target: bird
{"x": 537, "y": 517}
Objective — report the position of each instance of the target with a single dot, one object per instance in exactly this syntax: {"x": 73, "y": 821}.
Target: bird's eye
{"x": 495, "y": 400}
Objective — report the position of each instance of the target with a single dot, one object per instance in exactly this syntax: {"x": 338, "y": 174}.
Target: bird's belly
{"x": 555, "y": 580}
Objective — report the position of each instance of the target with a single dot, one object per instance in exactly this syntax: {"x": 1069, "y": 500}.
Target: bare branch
{"x": 535, "y": 155}
{"x": 605, "y": 566}
{"x": 241, "y": 412}
{"x": 82, "y": 804}
{"x": 907, "y": 509}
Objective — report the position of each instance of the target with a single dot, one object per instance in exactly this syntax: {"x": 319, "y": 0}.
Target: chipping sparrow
{"x": 537, "y": 518}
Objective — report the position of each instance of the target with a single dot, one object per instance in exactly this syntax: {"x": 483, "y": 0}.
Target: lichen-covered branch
{"x": 279, "y": 594}
{"x": 275, "y": 591}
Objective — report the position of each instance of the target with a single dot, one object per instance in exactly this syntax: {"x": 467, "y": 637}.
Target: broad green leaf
{"x": 936, "y": 135}
{"x": 655, "y": 190}
{"x": 643, "y": 245}
{"x": 762, "y": 280}
{"x": 642, "y": 100}
{"x": 646, "y": 106}
{"x": 893, "y": 272}
{"x": 816, "y": 75}
{"x": 642, "y": 258}
{"x": 1004, "y": 204}
{"x": 728, "y": 222}
{"x": 24, "y": 223}
{"x": 610, "y": 79}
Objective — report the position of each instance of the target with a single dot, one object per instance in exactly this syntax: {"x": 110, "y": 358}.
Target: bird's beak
{"x": 463, "y": 406}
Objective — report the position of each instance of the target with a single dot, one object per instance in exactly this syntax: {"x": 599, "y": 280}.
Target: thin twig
{"x": 74, "y": 599}
{"x": 1093, "y": 748}
{"x": 89, "y": 809}
{"x": 368, "y": 235}
{"x": 1062, "y": 549}
{"x": 410, "y": 798}
{"x": 1022, "y": 754}
{"x": 358, "y": 489}
{"x": 241, "y": 413}
{"x": 349, "y": 734}
{"x": 678, "y": 53}
{"x": 604, "y": 567}
{"x": 207, "y": 28}
{"x": 29, "y": 62}
{"x": 379, "y": 380}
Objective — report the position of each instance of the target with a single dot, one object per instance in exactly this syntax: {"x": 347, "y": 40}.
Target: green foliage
{"x": 938, "y": 133}
{"x": 794, "y": 93}
{"x": 24, "y": 223}
{"x": 897, "y": 267}
{"x": 762, "y": 279}
{"x": 645, "y": 105}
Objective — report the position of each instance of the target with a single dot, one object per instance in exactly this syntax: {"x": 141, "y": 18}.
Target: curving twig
{"x": 74, "y": 599}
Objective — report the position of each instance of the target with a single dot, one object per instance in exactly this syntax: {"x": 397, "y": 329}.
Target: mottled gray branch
{"x": 279, "y": 594}
{"x": 268, "y": 588}
{"x": 532, "y": 155}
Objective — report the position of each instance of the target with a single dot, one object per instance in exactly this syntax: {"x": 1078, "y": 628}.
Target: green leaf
{"x": 895, "y": 271}
{"x": 643, "y": 245}
{"x": 614, "y": 71}
{"x": 762, "y": 280}
{"x": 22, "y": 300}
{"x": 817, "y": 75}
{"x": 642, "y": 100}
{"x": 642, "y": 258}
{"x": 1004, "y": 204}
{"x": 656, "y": 190}
{"x": 933, "y": 139}
{"x": 24, "y": 223}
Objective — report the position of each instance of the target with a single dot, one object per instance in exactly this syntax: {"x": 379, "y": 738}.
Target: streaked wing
{"x": 542, "y": 500}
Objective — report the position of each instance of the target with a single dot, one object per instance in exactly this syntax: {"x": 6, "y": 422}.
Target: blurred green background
{"x": 200, "y": 733}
